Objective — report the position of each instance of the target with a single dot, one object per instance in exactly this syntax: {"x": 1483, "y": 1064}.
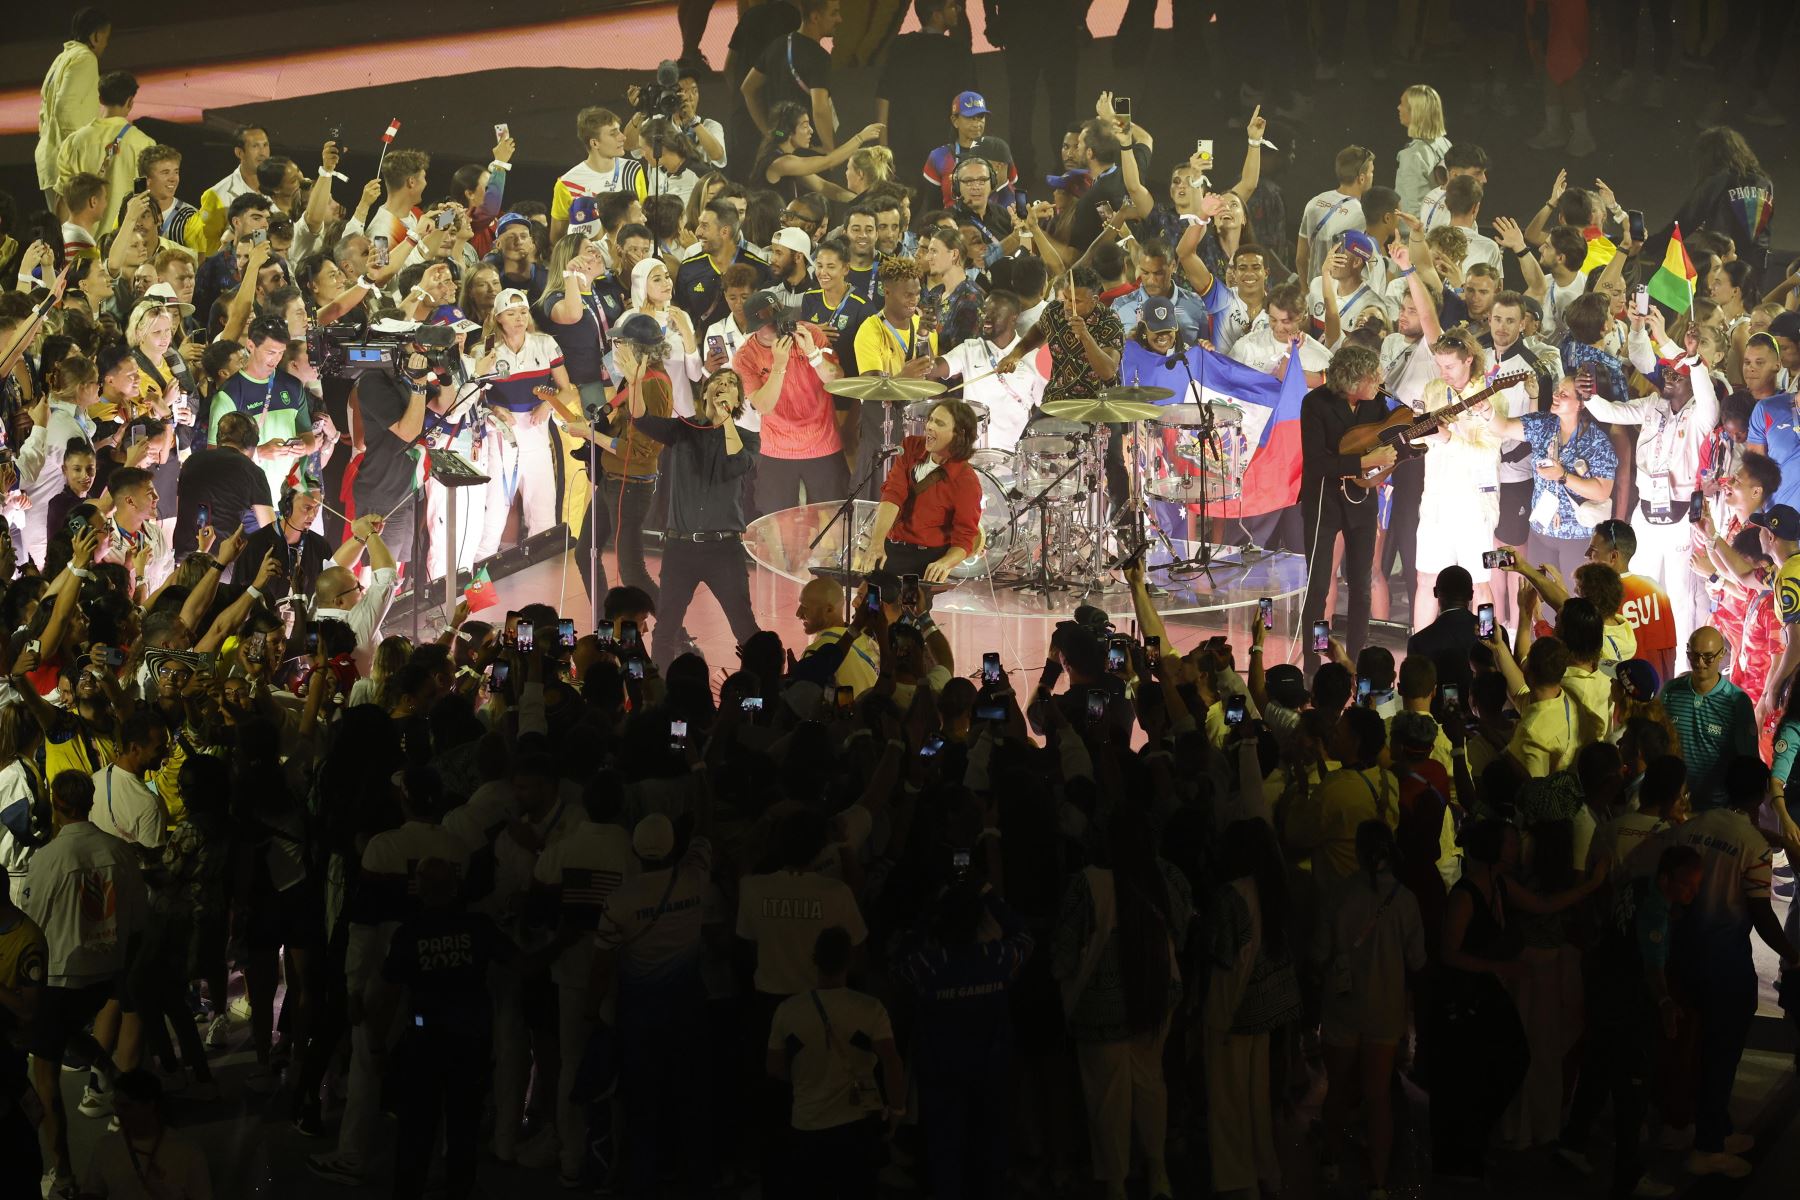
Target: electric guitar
{"x": 1403, "y": 425}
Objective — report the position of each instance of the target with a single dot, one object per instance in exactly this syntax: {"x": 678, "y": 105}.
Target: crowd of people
{"x": 553, "y": 889}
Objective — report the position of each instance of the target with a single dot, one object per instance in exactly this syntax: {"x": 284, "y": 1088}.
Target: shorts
{"x": 1514, "y": 525}
{"x": 63, "y": 1014}
{"x": 1451, "y": 531}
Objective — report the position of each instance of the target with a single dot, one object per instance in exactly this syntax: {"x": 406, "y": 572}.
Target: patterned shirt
{"x": 958, "y": 314}
{"x": 1588, "y": 455}
{"x": 1609, "y": 372}
{"x": 1071, "y": 375}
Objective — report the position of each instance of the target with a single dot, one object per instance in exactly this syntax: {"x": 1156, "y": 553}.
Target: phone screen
{"x": 1321, "y": 636}
{"x": 990, "y": 712}
{"x": 381, "y": 250}
{"x": 312, "y": 642}
{"x": 1484, "y": 621}
{"x": 1634, "y": 224}
{"x": 511, "y": 636}
{"x": 678, "y": 735}
{"x": 628, "y": 637}
{"x": 1266, "y": 607}
{"x": 1096, "y": 704}
{"x": 1122, "y": 106}
{"x": 991, "y": 674}
{"x": 1235, "y": 710}
{"x": 565, "y": 630}
{"x": 203, "y": 518}
{"x": 527, "y": 640}
{"x": 846, "y": 697}
{"x": 932, "y": 745}
{"x": 1204, "y": 147}
{"x": 635, "y": 668}
{"x": 872, "y": 601}
{"x": 1452, "y": 695}
{"x": 1152, "y": 647}
{"x": 496, "y": 680}
{"x": 751, "y": 704}
{"x": 1364, "y": 689}
{"x": 500, "y": 132}
{"x": 1115, "y": 657}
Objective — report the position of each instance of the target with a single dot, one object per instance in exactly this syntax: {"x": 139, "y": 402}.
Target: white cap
{"x": 510, "y": 298}
{"x": 795, "y": 240}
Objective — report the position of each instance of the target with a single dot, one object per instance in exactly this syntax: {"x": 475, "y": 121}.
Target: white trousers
{"x": 524, "y": 471}
{"x": 1665, "y": 554}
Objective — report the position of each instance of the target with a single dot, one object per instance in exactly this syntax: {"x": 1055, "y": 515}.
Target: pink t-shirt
{"x": 803, "y": 423}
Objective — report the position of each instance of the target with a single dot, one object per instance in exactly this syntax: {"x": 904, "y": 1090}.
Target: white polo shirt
{"x": 1009, "y": 397}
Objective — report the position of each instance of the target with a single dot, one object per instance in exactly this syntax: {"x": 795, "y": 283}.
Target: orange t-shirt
{"x": 1646, "y": 608}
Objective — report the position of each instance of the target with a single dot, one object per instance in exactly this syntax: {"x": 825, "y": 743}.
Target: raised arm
{"x": 1511, "y": 238}
{"x": 1251, "y": 175}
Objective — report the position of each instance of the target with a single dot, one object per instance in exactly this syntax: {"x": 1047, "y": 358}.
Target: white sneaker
{"x": 93, "y": 1103}
{"x": 1728, "y": 1165}
{"x": 541, "y": 1149}
{"x": 217, "y": 1030}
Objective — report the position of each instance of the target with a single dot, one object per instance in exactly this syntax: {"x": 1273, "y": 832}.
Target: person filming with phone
{"x": 929, "y": 519}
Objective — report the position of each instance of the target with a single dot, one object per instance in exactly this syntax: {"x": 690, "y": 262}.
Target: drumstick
{"x": 979, "y": 378}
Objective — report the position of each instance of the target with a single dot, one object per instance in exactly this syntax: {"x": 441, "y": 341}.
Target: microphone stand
{"x": 1043, "y": 582}
{"x": 843, "y": 513}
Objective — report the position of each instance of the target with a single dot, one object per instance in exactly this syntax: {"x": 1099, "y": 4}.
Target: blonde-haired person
{"x": 479, "y": 289}
{"x": 867, "y": 167}
{"x": 1421, "y": 112}
{"x": 653, "y": 294}
{"x": 377, "y": 687}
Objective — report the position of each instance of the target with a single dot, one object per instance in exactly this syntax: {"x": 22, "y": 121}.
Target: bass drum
{"x": 994, "y": 468}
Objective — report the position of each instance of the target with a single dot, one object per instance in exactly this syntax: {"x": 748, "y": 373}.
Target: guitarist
{"x": 1329, "y": 503}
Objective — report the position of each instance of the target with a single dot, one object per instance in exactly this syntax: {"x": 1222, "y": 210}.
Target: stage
{"x": 977, "y": 615}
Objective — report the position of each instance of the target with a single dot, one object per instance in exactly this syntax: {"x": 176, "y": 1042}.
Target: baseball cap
{"x": 508, "y": 220}
{"x": 1091, "y": 617}
{"x": 164, "y": 295}
{"x": 763, "y": 308}
{"x": 584, "y": 211}
{"x": 1159, "y": 315}
{"x": 1531, "y": 305}
{"x": 793, "y": 239}
{"x": 654, "y": 837}
{"x": 1786, "y": 325}
{"x": 511, "y": 298}
{"x": 1286, "y": 685}
{"x": 1638, "y": 679}
{"x": 1355, "y": 241}
{"x": 1075, "y": 180}
{"x": 639, "y": 329}
{"x": 1780, "y": 520}
{"x": 969, "y": 104}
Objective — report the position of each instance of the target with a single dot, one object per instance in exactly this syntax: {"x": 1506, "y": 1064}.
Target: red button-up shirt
{"x": 944, "y": 510}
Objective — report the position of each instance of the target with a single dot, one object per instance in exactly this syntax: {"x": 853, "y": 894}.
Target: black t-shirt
{"x": 1325, "y": 417}
{"x": 703, "y": 479}
{"x": 302, "y": 560}
{"x": 793, "y": 68}
{"x": 757, "y": 27}
{"x": 384, "y": 477}
{"x": 924, "y": 73}
{"x": 1109, "y": 188}
{"x": 441, "y": 957}
{"x": 579, "y": 341}
{"x": 229, "y": 483}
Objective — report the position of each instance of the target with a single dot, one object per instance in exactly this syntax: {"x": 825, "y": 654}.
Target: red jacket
{"x": 942, "y": 510}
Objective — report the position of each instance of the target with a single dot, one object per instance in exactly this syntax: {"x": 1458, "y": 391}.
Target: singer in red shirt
{"x": 930, "y": 512}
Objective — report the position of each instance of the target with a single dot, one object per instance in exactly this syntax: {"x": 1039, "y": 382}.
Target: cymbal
{"x": 885, "y": 389}
{"x": 1145, "y": 395}
{"x": 1103, "y": 412}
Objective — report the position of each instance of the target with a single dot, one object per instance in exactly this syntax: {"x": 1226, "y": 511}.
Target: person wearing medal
{"x": 897, "y": 340}
{"x": 930, "y": 513}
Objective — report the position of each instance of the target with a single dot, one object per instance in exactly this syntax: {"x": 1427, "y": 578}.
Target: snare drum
{"x": 1183, "y": 453}
{"x": 919, "y": 410}
{"x": 1049, "y": 446}
{"x": 994, "y": 468}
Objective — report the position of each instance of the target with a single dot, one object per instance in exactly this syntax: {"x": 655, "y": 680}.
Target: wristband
{"x": 81, "y": 572}
{"x": 1408, "y": 271}
{"x": 362, "y": 281}
{"x": 497, "y": 165}
{"x": 254, "y": 592}
{"x": 816, "y": 357}
{"x": 27, "y": 277}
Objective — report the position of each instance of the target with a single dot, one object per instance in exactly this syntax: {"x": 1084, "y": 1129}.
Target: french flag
{"x": 1271, "y": 422}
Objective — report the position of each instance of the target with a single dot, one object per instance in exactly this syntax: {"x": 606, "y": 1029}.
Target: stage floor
{"x": 1021, "y": 638}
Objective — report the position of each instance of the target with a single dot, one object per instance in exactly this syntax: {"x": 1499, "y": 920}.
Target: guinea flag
{"x": 1673, "y": 284}
{"x": 480, "y": 593}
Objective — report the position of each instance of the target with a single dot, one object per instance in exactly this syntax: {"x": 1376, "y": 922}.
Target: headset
{"x": 956, "y": 175}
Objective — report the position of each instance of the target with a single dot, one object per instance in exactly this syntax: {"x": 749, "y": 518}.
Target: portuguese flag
{"x": 480, "y": 593}
{"x": 1673, "y": 284}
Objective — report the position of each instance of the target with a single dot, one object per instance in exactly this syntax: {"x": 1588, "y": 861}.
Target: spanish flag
{"x": 1673, "y": 284}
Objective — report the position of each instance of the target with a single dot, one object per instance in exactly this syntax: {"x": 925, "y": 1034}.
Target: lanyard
{"x": 832, "y": 313}
{"x": 1344, "y": 308}
{"x": 1335, "y": 209}
{"x": 794, "y": 71}
{"x": 906, "y": 344}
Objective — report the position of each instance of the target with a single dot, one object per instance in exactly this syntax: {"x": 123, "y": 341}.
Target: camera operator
{"x": 707, "y": 134}
{"x": 393, "y": 417}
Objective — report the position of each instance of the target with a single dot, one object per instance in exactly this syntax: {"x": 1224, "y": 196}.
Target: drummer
{"x": 930, "y": 512}
{"x": 1008, "y": 397}
{"x": 898, "y": 341}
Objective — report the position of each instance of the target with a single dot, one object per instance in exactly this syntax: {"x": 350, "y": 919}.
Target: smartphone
{"x": 1152, "y": 647}
{"x": 990, "y": 712}
{"x": 1122, "y": 106}
{"x": 1642, "y": 301}
{"x": 1266, "y": 607}
{"x": 1365, "y": 690}
{"x": 628, "y": 637}
{"x": 1115, "y": 655}
{"x": 511, "y": 636}
{"x": 909, "y": 591}
{"x": 715, "y": 344}
{"x": 959, "y": 861}
{"x": 1634, "y": 224}
{"x": 501, "y": 133}
{"x": 635, "y": 668}
{"x": 446, "y": 218}
{"x": 335, "y": 134}
{"x": 678, "y": 735}
{"x": 751, "y": 704}
{"x": 1484, "y": 621}
{"x": 140, "y": 185}
{"x": 932, "y": 745}
{"x": 381, "y": 250}
{"x": 1493, "y": 560}
{"x": 1321, "y": 636}
{"x": 1236, "y": 709}
{"x": 565, "y": 632}
{"x": 203, "y": 518}
{"x": 496, "y": 678}
{"x": 872, "y": 599}
{"x": 527, "y": 637}
{"x": 1204, "y": 148}
{"x": 312, "y": 643}
{"x": 1096, "y": 704}
{"x": 1451, "y": 695}
{"x": 1696, "y": 508}
{"x": 112, "y": 656}
{"x": 259, "y": 237}
{"x": 991, "y": 674}
{"x": 846, "y": 697}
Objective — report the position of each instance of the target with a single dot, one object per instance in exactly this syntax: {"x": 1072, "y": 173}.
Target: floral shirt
{"x": 194, "y": 863}
{"x": 958, "y": 314}
{"x": 1071, "y": 376}
{"x": 1609, "y": 372}
{"x": 1589, "y": 455}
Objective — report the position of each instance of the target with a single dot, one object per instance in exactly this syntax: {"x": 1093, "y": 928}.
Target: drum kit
{"x": 1045, "y": 519}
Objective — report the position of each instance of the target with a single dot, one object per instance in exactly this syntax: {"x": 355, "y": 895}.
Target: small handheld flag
{"x": 480, "y": 592}
{"x": 387, "y": 139}
{"x": 1673, "y": 285}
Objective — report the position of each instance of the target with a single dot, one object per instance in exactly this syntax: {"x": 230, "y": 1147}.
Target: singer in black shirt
{"x": 1330, "y": 504}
